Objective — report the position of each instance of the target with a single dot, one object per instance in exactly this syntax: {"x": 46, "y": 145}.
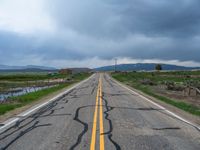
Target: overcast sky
{"x": 91, "y": 33}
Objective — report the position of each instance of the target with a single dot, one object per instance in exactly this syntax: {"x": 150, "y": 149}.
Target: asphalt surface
{"x": 123, "y": 121}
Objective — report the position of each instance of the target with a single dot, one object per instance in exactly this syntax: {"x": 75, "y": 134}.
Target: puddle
{"x": 21, "y": 91}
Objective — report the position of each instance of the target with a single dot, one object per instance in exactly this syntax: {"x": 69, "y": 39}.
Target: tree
{"x": 158, "y": 67}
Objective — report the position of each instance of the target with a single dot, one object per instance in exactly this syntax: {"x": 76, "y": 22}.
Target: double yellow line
{"x": 99, "y": 106}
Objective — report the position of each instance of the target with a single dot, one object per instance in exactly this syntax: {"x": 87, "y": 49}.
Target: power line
{"x": 115, "y": 64}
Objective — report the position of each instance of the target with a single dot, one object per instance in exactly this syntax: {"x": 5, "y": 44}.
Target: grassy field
{"x": 136, "y": 80}
{"x": 23, "y": 100}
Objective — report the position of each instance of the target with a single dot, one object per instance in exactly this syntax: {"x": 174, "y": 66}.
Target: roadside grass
{"x": 130, "y": 80}
{"x": 19, "y": 101}
{"x": 7, "y": 107}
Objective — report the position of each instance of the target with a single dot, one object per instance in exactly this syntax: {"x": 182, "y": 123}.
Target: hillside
{"x": 7, "y": 67}
{"x": 143, "y": 66}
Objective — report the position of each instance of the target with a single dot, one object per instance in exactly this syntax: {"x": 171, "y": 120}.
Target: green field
{"x": 178, "y": 78}
{"x": 23, "y": 100}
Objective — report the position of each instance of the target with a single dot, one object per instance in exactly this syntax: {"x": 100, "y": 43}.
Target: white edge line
{"x": 34, "y": 108}
{"x": 161, "y": 107}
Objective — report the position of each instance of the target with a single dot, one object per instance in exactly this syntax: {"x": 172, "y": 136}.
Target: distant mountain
{"x": 143, "y": 66}
{"x": 24, "y": 68}
{"x": 40, "y": 67}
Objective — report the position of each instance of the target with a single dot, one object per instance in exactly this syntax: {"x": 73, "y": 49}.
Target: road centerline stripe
{"x": 101, "y": 118}
{"x": 94, "y": 128}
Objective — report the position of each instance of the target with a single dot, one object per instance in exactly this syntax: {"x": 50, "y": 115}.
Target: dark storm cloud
{"x": 14, "y": 47}
{"x": 118, "y": 17}
{"x": 115, "y": 21}
{"x": 138, "y": 29}
{"x": 161, "y": 17}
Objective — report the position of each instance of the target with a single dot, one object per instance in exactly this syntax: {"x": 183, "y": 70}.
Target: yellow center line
{"x": 94, "y": 129}
{"x": 93, "y": 139}
{"x": 101, "y": 119}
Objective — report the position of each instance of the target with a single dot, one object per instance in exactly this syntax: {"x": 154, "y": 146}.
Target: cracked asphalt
{"x": 129, "y": 123}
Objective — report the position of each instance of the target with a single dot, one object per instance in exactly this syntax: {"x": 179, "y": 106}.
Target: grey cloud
{"x": 115, "y": 18}
{"x": 163, "y": 18}
{"x": 110, "y": 24}
{"x": 14, "y": 47}
{"x": 139, "y": 29}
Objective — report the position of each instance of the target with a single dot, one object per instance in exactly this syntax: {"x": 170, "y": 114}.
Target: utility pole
{"x": 115, "y": 64}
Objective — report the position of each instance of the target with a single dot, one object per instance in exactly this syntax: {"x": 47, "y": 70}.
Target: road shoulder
{"x": 179, "y": 112}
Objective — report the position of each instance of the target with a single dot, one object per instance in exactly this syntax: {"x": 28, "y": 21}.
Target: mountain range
{"x": 143, "y": 67}
{"x": 120, "y": 67}
{"x": 25, "y": 68}
{"x": 33, "y": 68}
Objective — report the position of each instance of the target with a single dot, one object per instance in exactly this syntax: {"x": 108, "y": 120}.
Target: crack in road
{"x": 93, "y": 89}
{"x": 85, "y": 126}
{"x": 22, "y": 133}
{"x": 108, "y": 81}
{"x": 109, "y": 132}
{"x": 167, "y": 128}
{"x": 33, "y": 120}
{"x": 34, "y": 116}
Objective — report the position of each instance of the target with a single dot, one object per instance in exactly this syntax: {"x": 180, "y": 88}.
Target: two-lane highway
{"x": 100, "y": 114}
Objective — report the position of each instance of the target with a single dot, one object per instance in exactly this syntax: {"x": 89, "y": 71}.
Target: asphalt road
{"x": 100, "y": 114}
